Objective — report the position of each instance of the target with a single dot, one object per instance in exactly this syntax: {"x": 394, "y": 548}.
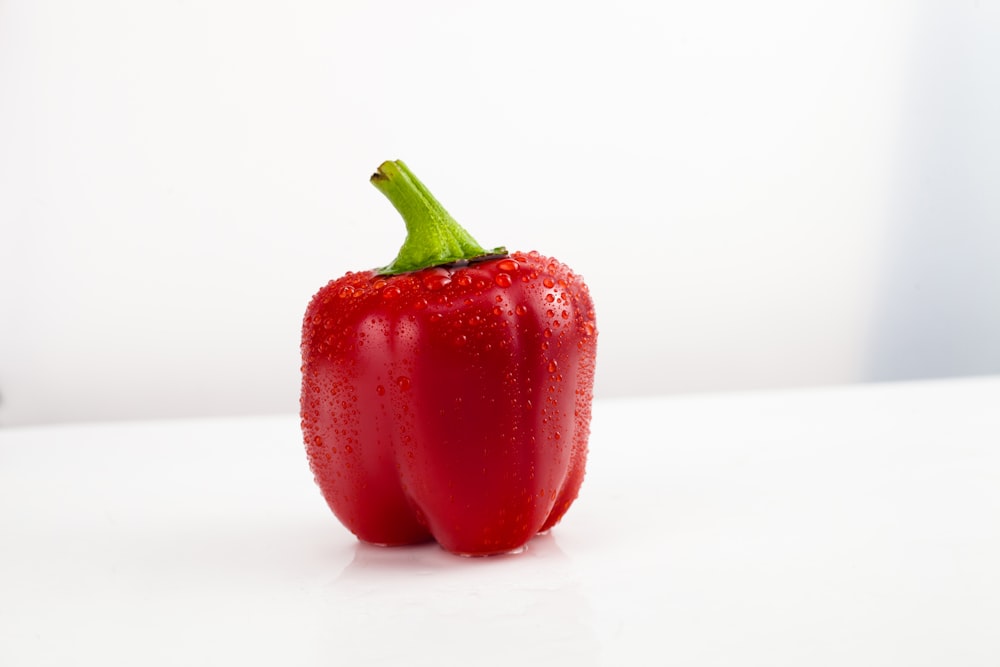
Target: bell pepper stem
{"x": 433, "y": 237}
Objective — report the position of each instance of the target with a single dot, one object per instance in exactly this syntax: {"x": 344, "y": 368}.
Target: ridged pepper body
{"x": 450, "y": 403}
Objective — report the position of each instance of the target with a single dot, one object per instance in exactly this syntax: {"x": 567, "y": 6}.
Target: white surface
{"x": 848, "y": 526}
{"x": 760, "y": 194}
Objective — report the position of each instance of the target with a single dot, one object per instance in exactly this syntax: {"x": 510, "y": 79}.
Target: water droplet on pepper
{"x": 436, "y": 280}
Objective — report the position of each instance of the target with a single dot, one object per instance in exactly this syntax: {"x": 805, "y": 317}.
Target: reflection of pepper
{"x": 448, "y": 395}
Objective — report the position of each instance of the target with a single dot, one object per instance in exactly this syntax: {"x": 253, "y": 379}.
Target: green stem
{"x": 433, "y": 237}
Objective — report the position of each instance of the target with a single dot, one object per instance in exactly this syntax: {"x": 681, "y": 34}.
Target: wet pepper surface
{"x": 451, "y": 402}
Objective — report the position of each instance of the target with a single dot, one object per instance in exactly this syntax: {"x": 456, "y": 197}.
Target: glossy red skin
{"x": 450, "y": 403}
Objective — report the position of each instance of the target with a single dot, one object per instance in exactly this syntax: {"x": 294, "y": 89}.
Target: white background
{"x": 759, "y": 194}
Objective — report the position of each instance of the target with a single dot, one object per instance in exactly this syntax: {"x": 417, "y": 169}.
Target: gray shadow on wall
{"x": 939, "y": 314}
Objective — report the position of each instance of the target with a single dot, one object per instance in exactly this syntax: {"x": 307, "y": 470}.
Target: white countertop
{"x": 840, "y": 526}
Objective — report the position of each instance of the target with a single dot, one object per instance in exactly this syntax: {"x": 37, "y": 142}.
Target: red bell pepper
{"x": 447, "y": 396}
